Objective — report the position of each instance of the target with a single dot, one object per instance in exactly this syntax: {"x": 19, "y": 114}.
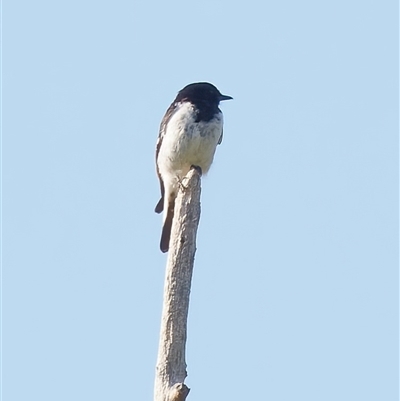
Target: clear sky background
{"x": 295, "y": 288}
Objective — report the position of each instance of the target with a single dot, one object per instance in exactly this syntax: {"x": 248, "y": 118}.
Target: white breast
{"x": 187, "y": 143}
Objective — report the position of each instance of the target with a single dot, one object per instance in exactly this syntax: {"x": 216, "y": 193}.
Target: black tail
{"x": 166, "y": 230}
{"x": 160, "y": 205}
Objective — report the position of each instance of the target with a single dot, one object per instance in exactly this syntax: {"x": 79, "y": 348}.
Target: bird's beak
{"x": 224, "y": 97}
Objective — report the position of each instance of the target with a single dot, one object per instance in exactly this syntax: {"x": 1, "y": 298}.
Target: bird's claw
{"x": 181, "y": 184}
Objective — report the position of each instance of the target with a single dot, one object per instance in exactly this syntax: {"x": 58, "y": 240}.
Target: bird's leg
{"x": 181, "y": 185}
{"x": 179, "y": 180}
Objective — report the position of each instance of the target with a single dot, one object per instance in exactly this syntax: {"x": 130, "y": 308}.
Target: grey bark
{"x": 171, "y": 364}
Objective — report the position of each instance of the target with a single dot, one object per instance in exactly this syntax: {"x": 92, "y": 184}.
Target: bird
{"x": 190, "y": 131}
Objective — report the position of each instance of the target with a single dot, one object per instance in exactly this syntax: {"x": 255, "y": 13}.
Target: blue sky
{"x": 295, "y": 288}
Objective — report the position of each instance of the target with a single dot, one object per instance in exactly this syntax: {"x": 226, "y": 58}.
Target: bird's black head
{"x": 201, "y": 92}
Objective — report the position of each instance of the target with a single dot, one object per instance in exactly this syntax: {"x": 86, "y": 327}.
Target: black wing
{"x": 167, "y": 116}
{"x": 220, "y": 138}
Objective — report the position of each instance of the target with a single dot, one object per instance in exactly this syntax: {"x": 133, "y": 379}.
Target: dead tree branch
{"x": 171, "y": 363}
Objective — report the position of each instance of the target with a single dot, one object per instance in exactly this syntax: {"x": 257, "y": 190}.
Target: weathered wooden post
{"x": 171, "y": 363}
